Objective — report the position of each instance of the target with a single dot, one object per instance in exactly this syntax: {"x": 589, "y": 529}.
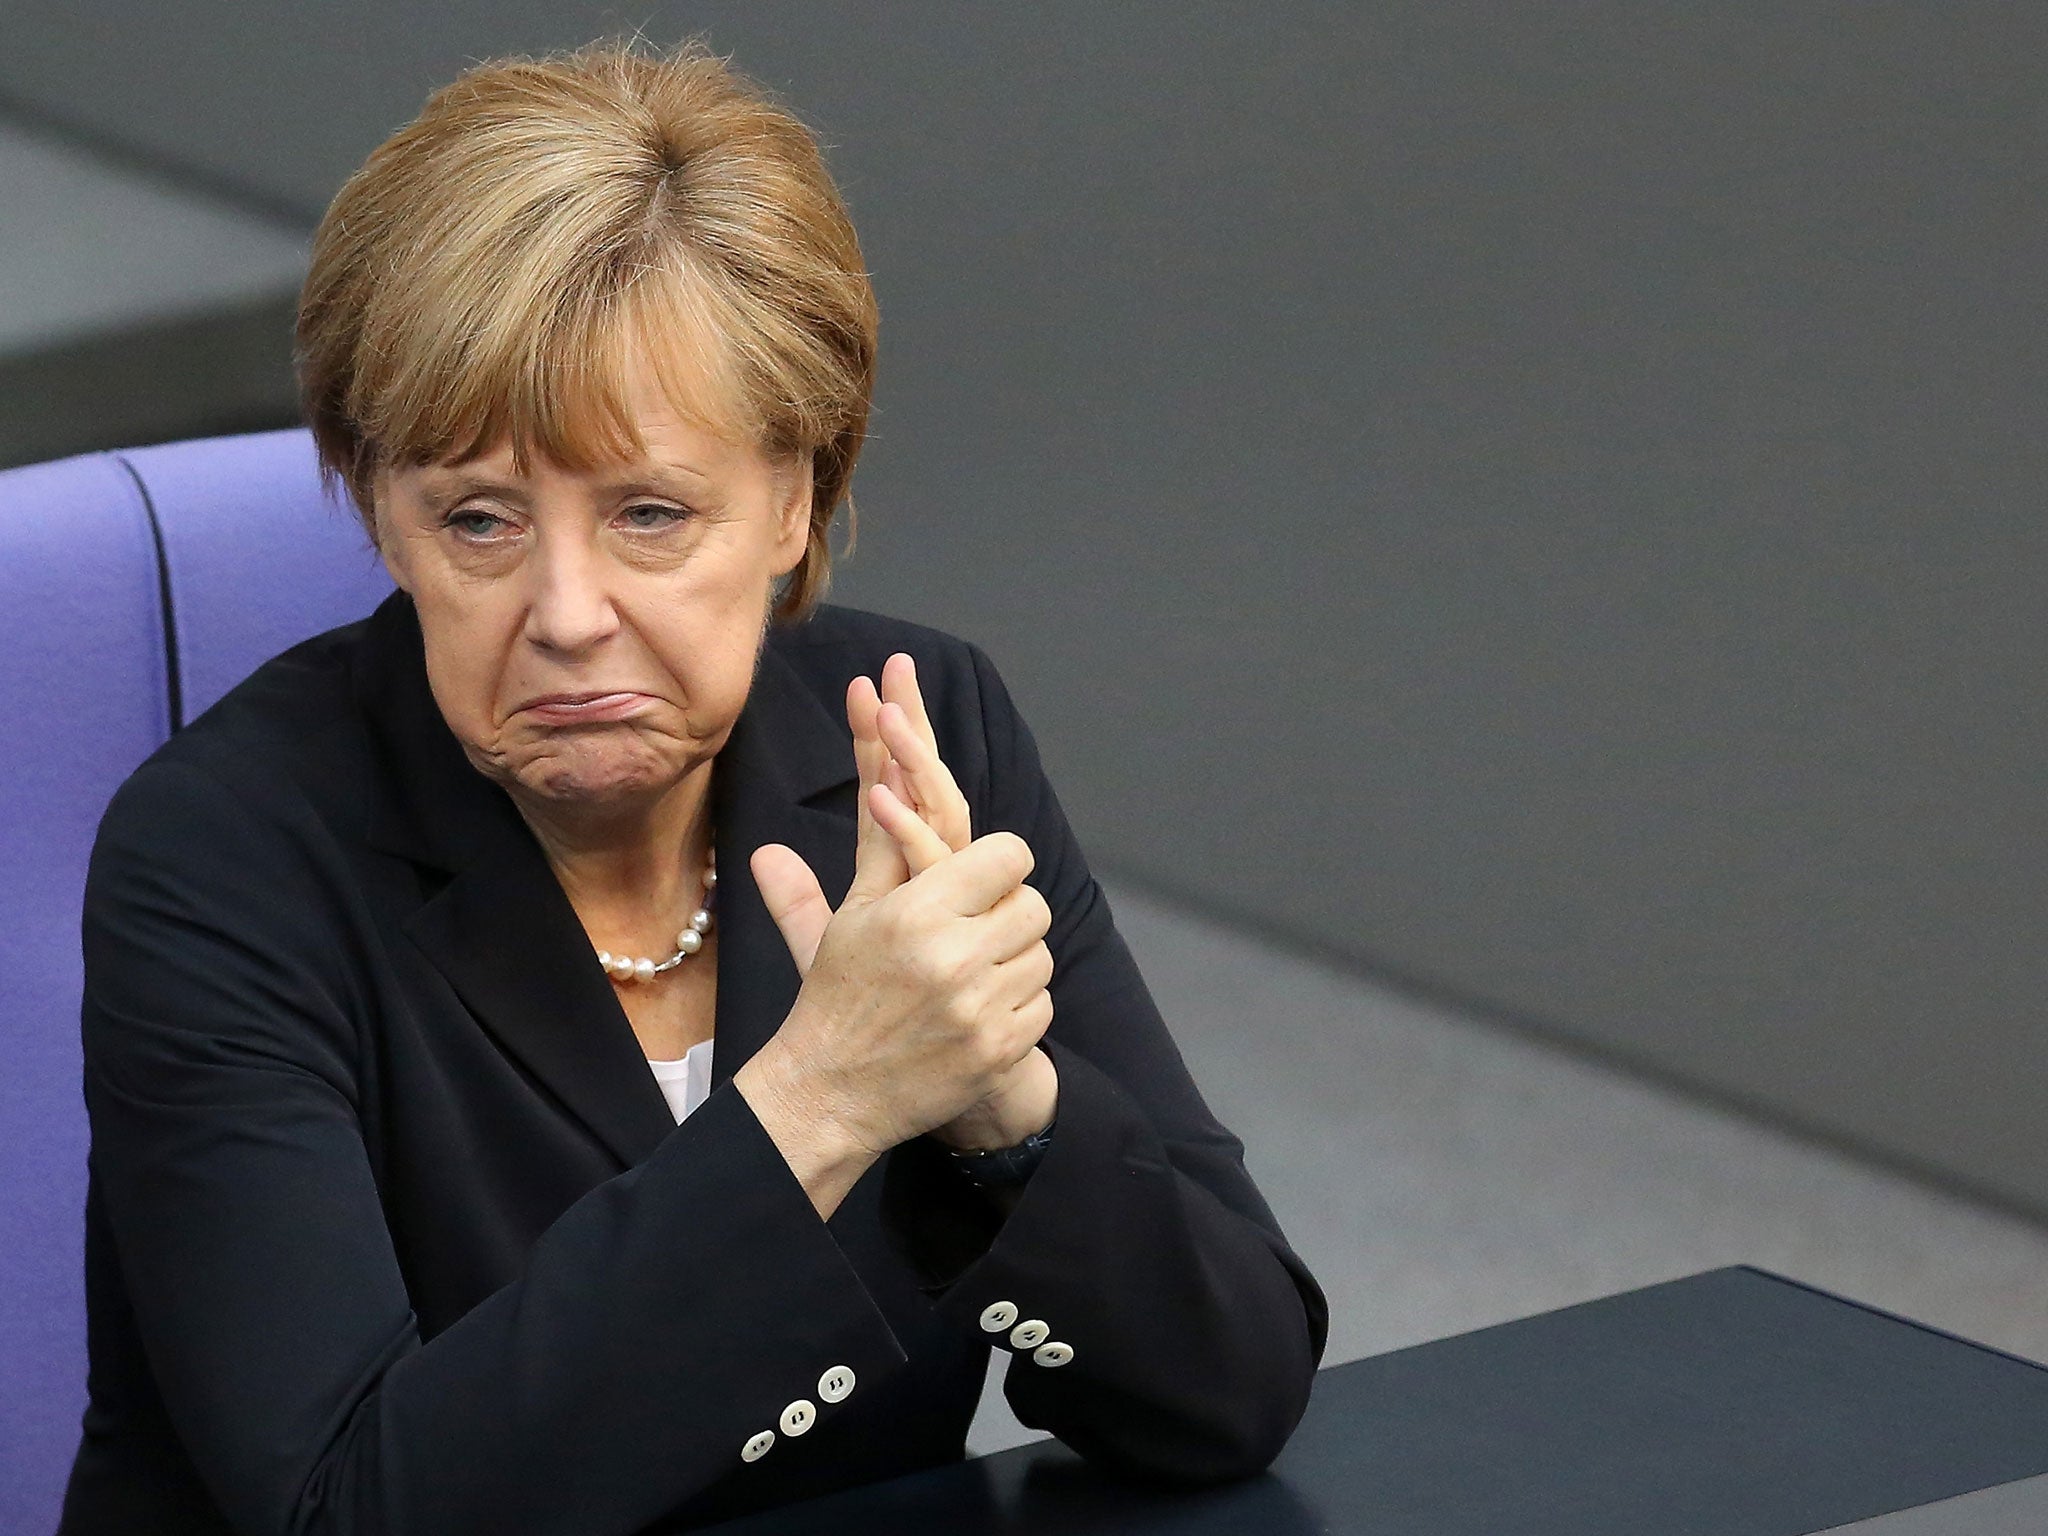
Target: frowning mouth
{"x": 584, "y": 708}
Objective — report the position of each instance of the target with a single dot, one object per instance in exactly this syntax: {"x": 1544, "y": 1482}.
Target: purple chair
{"x": 135, "y": 589}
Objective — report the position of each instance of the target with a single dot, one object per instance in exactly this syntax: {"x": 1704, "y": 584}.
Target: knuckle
{"x": 992, "y": 1053}
{"x": 924, "y": 963}
{"x": 1039, "y": 908}
{"x": 1039, "y": 1015}
{"x": 1013, "y": 851}
{"x": 1026, "y": 860}
{"x": 960, "y": 1014}
{"x": 961, "y": 964}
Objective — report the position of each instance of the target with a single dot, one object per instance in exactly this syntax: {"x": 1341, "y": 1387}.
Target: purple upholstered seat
{"x": 135, "y": 589}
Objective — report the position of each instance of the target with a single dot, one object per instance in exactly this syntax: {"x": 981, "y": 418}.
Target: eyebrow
{"x": 442, "y": 485}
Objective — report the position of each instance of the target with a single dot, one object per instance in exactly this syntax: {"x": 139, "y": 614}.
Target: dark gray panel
{"x": 228, "y": 370}
{"x": 1542, "y": 498}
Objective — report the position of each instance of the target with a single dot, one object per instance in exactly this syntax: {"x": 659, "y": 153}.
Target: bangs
{"x": 556, "y": 245}
{"x": 555, "y": 379}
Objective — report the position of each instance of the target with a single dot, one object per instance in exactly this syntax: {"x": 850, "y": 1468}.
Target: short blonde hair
{"x": 483, "y": 277}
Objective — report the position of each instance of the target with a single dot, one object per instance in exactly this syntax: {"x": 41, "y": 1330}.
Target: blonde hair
{"x": 483, "y": 278}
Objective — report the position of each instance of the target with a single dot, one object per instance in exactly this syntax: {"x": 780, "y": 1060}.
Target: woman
{"x": 547, "y": 1072}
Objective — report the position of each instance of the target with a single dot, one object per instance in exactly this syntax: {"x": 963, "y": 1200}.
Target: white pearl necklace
{"x": 688, "y": 941}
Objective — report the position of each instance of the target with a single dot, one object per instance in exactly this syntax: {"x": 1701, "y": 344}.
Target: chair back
{"x": 136, "y": 587}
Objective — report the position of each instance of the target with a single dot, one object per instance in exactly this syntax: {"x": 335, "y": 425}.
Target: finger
{"x": 1030, "y": 1020}
{"x": 898, "y": 780}
{"x": 1034, "y": 1018}
{"x": 922, "y": 846}
{"x": 1017, "y": 980}
{"x": 794, "y": 899}
{"x": 900, "y": 686}
{"x": 932, "y": 789}
{"x": 1013, "y": 925}
{"x": 979, "y": 875}
{"x": 879, "y": 866}
{"x": 878, "y": 862}
{"x": 1022, "y": 1028}
{"x": 869, "y": 756}
{"x": 898, "y": 730}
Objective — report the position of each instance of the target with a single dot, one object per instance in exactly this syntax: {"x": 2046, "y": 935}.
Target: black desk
{"x": 1733, "y": 1403}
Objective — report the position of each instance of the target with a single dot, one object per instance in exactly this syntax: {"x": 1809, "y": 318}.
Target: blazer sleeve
{"x": 621, "y": 1372}
{"x": 1192, "y": 1331}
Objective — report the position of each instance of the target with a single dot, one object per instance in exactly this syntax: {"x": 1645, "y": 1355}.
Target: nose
{"x": 570, "y": 608}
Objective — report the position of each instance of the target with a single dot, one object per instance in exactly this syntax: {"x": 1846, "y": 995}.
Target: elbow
{"x": 1192, "y": 1452}
{"x": 1223, "y": 1436}
{"x": 1242, "y": 1430}
{"x": 1244, "y": 1440}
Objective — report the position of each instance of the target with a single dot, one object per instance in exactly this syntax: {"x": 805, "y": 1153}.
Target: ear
{"x": 793, "y": 529}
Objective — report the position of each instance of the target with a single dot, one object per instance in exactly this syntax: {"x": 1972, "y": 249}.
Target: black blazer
{"x": 390, "y": 1229}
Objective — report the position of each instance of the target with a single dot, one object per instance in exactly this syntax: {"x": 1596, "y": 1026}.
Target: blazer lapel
{"x": 509, "y": 942}
{"x": 503, "y": 931}
{"x": 787, "y": 775}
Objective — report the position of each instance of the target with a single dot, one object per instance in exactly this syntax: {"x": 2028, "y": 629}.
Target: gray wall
{"x": 1539, "y": 499}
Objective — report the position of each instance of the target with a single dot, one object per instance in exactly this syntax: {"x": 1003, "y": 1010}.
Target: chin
{"x": 590, "y": 774}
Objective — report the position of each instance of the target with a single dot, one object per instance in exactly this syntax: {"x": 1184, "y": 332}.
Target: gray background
{"x": 1536, "y": 501}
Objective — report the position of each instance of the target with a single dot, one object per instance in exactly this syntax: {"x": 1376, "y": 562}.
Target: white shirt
{"x": 685, "y": 1083}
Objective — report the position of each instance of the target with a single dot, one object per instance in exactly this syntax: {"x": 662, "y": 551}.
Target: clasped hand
{"x": 925, "y": 993}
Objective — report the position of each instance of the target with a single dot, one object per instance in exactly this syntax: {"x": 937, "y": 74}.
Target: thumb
{"x": 793, "y": 897}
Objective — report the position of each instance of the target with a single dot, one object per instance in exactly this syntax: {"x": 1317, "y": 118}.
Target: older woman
{"x": 549, "y": 1071}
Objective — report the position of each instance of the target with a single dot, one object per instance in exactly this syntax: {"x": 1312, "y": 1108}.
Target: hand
{"x": 921, "y": 806}
{"x": 919, "y": 993}
{"x": 798, "y": 901}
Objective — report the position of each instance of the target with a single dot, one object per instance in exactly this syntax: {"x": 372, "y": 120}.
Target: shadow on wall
{"x": 229, "y": 370}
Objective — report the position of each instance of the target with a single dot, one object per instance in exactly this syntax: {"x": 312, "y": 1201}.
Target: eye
{"x": 652, "y": 517}
{"x": 473, "y": 523}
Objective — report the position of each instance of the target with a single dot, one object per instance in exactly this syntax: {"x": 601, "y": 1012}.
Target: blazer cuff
{"x": 781, "y": 1271}
{"x": 959, "y": 1242}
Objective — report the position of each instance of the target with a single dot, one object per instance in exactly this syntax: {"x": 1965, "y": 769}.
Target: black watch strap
{"x": 1004, "y": 1167}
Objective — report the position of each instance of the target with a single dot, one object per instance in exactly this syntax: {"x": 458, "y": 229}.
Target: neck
{"x": 630, "y": 870}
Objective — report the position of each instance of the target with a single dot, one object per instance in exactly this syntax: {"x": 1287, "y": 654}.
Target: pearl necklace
{"x": 625, "y": 968}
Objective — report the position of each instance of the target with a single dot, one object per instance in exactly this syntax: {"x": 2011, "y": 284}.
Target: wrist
{"x": 1005, "y": 1168}
{"x": 826, "y": 1159}
{"x": 1021, "y": 1105}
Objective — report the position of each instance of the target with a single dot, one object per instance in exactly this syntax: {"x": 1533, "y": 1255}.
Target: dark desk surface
{"x": 1732, "y": 1402}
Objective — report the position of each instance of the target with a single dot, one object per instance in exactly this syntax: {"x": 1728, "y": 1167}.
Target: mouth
{"x": 580, "y": 708}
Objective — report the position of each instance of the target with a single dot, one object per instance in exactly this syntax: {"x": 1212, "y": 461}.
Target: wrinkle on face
{"x": 652, "y": 575}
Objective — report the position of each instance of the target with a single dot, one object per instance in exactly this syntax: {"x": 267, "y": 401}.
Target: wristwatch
{"x": 1003, "y": 1167}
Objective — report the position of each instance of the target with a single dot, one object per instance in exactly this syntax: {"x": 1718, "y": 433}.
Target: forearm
{"x": 1193, "y": 1351}
{"x": 649, "y": 1338}
{"x": 1194, "y": 1332}
{"x": 661, "y": 1321}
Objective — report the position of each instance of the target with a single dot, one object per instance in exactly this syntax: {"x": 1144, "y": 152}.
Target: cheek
{"x": 709, "y": 644}
{"x": 465, "y": 654}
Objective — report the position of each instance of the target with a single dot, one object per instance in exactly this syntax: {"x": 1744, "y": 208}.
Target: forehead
{"x": 656, "y": 445}
{"x": 649, "y": 387}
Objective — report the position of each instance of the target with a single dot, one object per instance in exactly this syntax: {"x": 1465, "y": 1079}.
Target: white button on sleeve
{"x": 997, "y": 1316}
{"x": 836, "y": 1383}
{"x": 1053, "y": 1353}
{"x": 1029, "y": 1335}
{"x": 757, "y": 1447}
{"x": 799, "y": 1416}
